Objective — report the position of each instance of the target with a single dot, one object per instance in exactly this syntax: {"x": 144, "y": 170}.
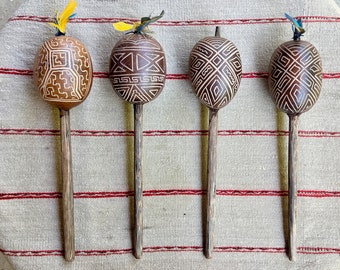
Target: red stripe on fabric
{"x": 103, "y": 194}
{"x": 16, "y": 71}
{"x": 318, "y": 134}
{"x": 168, "y": 76}
{"x": 251, "y": 193}
{"x": 169, "y": 133}
{"x": 331, "y": 75}
{"x": 104, "y": 75}
{"x": 250, "y": 249}
{"x": 53, "y": 132}
{"x": 100, "y": 75}
{"x": 318, "y": 250}
{"x": 318, "y": 193}
{"x": 31, "y": 253}
{"x": 98, "y": 252}
{"x": 27, "y": 72}
{"x": 160, "y": 133}
{"x": 154, "y": 249}
{"x": 173, "y": 192}
{"x": 29, "y": 132}
{"x": 240, "y": 21}
{"x": 29, "y": 195}
{"x": 255, "y": 75}
{"x": 177, "y": 77}
{"x": 170, "y": 192}
{"x": 32, "y": 18}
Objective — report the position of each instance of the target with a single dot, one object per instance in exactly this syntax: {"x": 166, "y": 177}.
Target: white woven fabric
{"x": 251, "y": 214}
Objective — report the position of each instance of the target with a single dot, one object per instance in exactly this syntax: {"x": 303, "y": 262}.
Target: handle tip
{"x": 208, "y": 251}
{"x": 138, "y": 254}
{"x": 69, "y": 257}
{"x": 292, "y": 255}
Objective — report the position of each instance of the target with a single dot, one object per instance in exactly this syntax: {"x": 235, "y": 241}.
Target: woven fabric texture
{"x": 251, "y": 207}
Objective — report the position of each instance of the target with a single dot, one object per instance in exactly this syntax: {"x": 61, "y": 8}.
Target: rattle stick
{"x": 137, "y": 73}
{"x": 295, "y": 79}
{"x": 63, "y": 75}
{"x": 215, "y": 73}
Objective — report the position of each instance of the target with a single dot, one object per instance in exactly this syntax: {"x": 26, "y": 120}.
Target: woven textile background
{"x": 251, "y": 215}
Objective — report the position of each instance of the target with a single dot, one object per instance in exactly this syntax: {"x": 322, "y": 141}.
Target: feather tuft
{"x": 62, "y": 18}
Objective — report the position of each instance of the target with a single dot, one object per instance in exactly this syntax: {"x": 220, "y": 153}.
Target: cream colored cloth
{"x": 251, "y": 206}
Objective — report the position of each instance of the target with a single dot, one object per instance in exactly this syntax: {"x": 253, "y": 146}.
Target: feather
{"x": 139, "y": 27}
{"x": 297, "y": 23}
{"x": 62, "y": 18}
{"x": 122, "y": 26}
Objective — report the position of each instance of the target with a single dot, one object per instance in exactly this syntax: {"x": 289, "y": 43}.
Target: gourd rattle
{"x": 137, "y": 73}
{"x": 295, "y": 78}
{"x": 63, "y": 75}
{"x": 215, "y": 72}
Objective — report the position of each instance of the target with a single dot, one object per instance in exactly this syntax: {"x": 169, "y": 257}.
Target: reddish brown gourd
{"x": 295, "y": 76}
{"x": 137, "y": 68}
{"x": 295, "y": 80}
{"x": 137, "y": 72}
{"x": 215, "y": 70}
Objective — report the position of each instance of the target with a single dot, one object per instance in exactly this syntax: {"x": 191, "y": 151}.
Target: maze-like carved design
{"x": 137, "y": 68}
{"x": 295, "y": 76}
{"x": 215, "y": 71}
{"x": 63, "y": 71}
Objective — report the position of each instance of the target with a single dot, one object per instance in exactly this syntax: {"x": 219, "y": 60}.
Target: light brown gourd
{"x": 62, "y": 74}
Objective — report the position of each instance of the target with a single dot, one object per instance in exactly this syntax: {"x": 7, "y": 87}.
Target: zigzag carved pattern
{"x": 215, "y": 71}
{"x": 137, "y": 68}
{"x": 295, "y": 76}
{"x": 63, "y": 71}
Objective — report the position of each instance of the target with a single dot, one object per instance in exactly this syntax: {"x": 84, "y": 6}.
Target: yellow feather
{"x": 122, "y": 26}
{"x": 62, "y": 18}
{"x": 68, "y": 10}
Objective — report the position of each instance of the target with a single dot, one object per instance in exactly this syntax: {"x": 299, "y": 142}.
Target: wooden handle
{"x": 66, "y": 168}
{"x": 212, "y": 154}
{"x": 138, "y": 185}
{"x": 292, "y": 184}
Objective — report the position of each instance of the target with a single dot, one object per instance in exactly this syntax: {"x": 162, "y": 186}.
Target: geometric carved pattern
{"x": 63, "y": 71}
{"x": 137, "y": 68}
{"x": 295, "y": 76}
{"x": 215, "y": 71}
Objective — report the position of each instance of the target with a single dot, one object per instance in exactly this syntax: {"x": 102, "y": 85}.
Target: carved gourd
{"x": 137, "y": 68}
{"x": 63, "y": 72}
{"x": 215, "y": 72}
{"x": 295, "y": 80}
{"x": 295, "y": 76}
{"x": 137, "y": 72}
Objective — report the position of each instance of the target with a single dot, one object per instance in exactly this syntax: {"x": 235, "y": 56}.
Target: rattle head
{"x": 295, "y": 76}
{"x": 137, "y": 68}
{"x": 215, "y": 71}
{"x": 63, "y": 72}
